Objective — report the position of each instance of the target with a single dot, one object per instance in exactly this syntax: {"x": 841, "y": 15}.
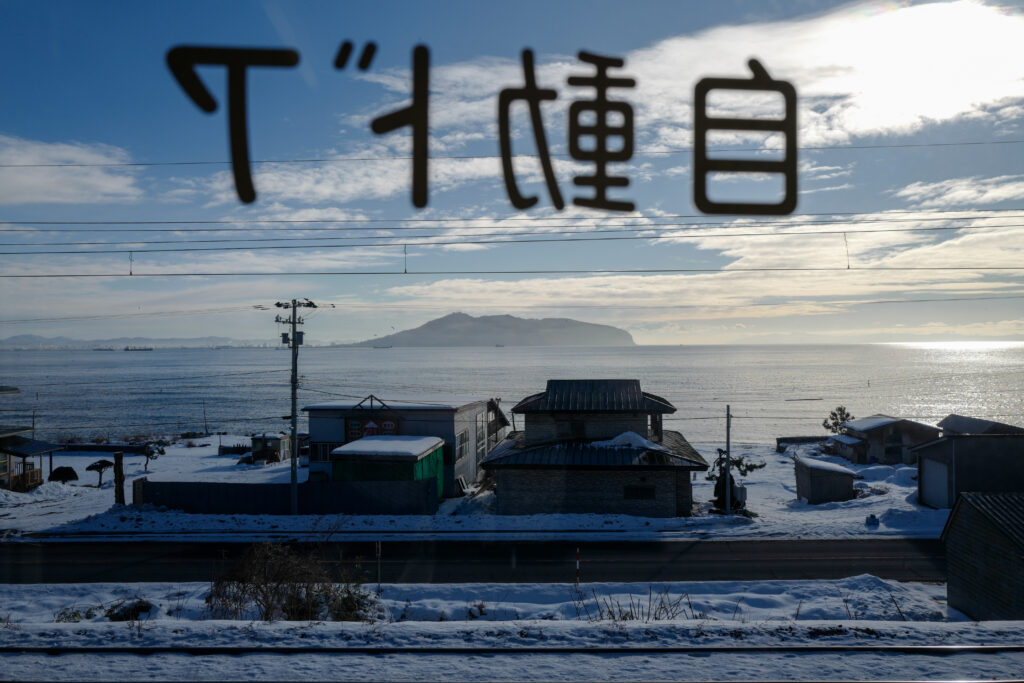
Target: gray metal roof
{"x": 579, "y": 454}
{"x": 24, "y": 447}
{"x": 961, "y": 424}
{"x": 1004, "y": 510}
{"x": 593, "y": 396}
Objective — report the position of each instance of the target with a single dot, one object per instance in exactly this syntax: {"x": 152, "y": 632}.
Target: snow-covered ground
{"x": 857, "y": 611}
{"x": 83, "y": 511}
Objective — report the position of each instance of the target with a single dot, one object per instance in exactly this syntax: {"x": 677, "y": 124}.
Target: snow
{"x": 815, "y": 464}
{"x": 397, "y": 405}
{"x": 413, "y": 447}
{"x": 868, "y": 423}
{"x": 629, "y": 440}
{"x": 845, "y": 439}
{"x": 81, "y": 511}
{"x": 856, "y": 611}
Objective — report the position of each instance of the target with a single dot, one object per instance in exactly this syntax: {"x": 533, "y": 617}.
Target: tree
{"x": 64, "y": 475}
{"x": 100, "y": 466}
{"x": 716, "y": 473}
{"x": 153, "y": 451}
{"x": 835, "y": 420}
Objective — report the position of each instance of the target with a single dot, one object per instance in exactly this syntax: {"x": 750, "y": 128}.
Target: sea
{"x": 770, "y": 391}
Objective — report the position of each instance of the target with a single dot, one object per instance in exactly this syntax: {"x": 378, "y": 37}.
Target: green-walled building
{"x": 389, "y": 458}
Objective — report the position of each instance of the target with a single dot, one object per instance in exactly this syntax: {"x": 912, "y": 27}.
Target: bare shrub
{"x": 128, "y": 610}
{"x": 660, "y": 606}
{"x": 281, "y": 584}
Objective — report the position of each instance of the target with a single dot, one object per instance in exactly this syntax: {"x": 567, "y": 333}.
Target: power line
{"x": 539, "y": 271}
{"x": 319, "y": 221}
{"x": 640, "y": 152}
{"x": 402, "y": 240}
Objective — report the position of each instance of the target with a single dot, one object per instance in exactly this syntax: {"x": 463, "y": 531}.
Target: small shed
{"x": 388, "y": 458}
{"x": 820, "y": 481}
{"x": 954, "y": 464}
{"x": 21, "y": 460}
{"x": 984, "y": 539}
{"x": 271, "y": 447}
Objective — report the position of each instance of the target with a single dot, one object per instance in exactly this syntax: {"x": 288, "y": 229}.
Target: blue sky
{"x": 888, "y": 93}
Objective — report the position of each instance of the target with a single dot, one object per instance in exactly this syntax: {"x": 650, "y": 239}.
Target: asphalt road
{"x": 492, "y": 561}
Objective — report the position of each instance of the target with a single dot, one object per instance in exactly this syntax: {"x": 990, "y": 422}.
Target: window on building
{"x": 481, "y": 436}
{"x": 461, "y": 445}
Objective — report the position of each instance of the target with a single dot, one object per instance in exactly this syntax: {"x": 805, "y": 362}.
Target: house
{"x": 820, "y": 481}
{"x": 469, "y": 431}
{"x": 594, "y": 446}
{"x": 952, "y": 465}
{"x": 884, "y": 439}
{"x": 954, "y": 424}
{"x": 415, "y": 459}
{"x": 984, "y": 539}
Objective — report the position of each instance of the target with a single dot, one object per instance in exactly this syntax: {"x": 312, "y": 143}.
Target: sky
{"x": 120, "y": 215}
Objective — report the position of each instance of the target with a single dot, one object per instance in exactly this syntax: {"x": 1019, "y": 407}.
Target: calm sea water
{"x": 773, "y": 390}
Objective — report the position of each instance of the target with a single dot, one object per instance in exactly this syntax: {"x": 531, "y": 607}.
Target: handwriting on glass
{"x": 600, "y": 129}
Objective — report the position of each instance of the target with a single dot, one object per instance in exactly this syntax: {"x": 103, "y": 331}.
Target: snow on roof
{"x": 868, "y": 423}
{"x": 846, "y": 439}
{"x": 824, "y": 465}
{"x": 404, "y": 447}
{"x": 394, "y": 405}
{"x": 630, "y": 440}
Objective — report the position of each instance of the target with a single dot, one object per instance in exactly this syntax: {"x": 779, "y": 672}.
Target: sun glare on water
{"x": 962, "y": 345}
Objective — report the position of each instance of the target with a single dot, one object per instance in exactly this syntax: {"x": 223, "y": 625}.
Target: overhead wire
{"x": 638, "y": 152}
{"x": 535, "y": 271}
{"x": 888, "y": 215}
{"x": 516, "y": 238}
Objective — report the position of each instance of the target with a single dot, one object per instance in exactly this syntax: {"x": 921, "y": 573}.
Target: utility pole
{"x": 728, "y": 463}
{"x": 294, "y": 341}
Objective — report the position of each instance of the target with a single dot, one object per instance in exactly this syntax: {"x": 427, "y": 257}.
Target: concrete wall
{"x": 539, "y": 491}
{"x": 822, "y": 486}
{"x": 985, "y": 571}
{"x": 548, "y": 427}
{"x": 367, "y": 498}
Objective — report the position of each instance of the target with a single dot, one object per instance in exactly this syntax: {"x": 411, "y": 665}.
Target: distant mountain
{"x": 459, "y": 329}
{"x": 34, "y": 341}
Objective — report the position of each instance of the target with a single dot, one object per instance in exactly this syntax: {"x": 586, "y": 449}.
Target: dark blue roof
{"x": 24, "y": 447}
{"x": 579, "y": 454}
{"x": 593, "y": 396}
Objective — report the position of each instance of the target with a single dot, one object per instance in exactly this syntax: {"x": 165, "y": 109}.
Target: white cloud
{"x": 972, "y": 191}
{"x": 52, "y": 183}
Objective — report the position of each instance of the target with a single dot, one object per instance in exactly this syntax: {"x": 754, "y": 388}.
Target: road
{"x": 492, "y": 561}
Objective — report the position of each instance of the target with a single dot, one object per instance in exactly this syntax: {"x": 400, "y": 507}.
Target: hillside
{"x": 459, "y": 329}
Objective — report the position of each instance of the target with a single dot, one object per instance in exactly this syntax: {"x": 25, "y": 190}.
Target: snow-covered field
{"x": 81, "y": 510}
{"x": 857, "y": 611}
